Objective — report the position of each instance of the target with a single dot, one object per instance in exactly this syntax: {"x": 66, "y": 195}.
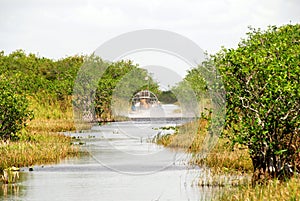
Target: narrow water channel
{"x": 122, "y": 164}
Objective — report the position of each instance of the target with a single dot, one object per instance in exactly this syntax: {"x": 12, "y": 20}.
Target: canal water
{"x": 122, "y": 164}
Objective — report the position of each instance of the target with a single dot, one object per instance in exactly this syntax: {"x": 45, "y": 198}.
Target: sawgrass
{"x": 274, "y": 190}
{"x": 42, "y": 142}
{"x": 36, "y": 148}
{"x": 227, "y": 167}
{"x": 221, "y": 158}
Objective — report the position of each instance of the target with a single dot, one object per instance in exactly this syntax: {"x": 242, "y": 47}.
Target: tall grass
{"x": 36, "y": 148}
{"x": 188, "y": 137}
{"x": 228, "y": 166}
{"x": 223, "y": 158}
{"x": 41, "y": 143}
{"x": 274, "y": 190}
{"x": 51, "y": 114}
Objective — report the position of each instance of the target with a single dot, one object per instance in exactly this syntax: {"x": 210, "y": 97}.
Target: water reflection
{"x": 13, "y": 191}
{"x": 107, "y": 174}
{"x": 10, "y": 190}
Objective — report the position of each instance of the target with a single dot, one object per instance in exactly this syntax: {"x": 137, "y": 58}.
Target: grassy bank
{"x": 45, "y": 87}
{"x": 36, "y": 148}
{"x": 41, "y": 142}
{"x": 223, "y": 158}
{"x": 274, "y": 190}
{"x": 228, "y": 166}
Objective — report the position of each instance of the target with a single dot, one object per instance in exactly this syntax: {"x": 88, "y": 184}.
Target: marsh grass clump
{"x": 208, "y": 178}
{"x": 10, "y": 175}
{"x": 42, "y": 141}
{"x": 51, "y": 115}
{"x": 51, "y": 125}
{"x": 275, "y": 190}
{"x": 188, "y": 136}
{"x": 223, "y": 158}
{"x": 36, "y": 148}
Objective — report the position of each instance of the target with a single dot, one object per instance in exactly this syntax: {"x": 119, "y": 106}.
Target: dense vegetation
{"x": 33, "y": 87}
{"x": 36, "y": 89}
{"x": 103, "y": 90}
{"x": 262, "y": 82}
{"x": 167, "y": 97}
{"x": 120, "y": 81}
{"x": 14, "y": 109}
{"x": 42, "y": 88}
{"x": 261, "y": 78}
{"x": 36, "y": 76}
{"x": 37, "y": 92}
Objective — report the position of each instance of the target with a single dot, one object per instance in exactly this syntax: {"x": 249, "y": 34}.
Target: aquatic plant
{"x": 10, "y": 175}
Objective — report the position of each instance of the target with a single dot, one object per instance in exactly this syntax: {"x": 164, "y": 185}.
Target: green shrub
{"x": 14, "y": 112}
{"x": 261, "y": 78}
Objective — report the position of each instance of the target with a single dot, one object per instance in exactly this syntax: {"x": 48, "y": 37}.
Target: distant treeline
{"x": 45, "y": 87}
{"x": 38, "y": 75}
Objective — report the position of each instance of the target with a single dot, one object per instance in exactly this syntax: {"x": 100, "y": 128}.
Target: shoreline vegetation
{"x": 221, "y": 159}
{"x": 257, "y": 153}
{"x": 41, "y": 142}
{"x": 260, "y": 142}
{"x": 226, "y": 166}
{"x": 44, "y": 87}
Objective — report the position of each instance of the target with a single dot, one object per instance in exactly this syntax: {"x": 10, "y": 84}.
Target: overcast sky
{"x": 59, "y": 28}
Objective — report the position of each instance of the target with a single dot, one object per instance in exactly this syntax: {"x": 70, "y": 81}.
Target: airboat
{"x": 144, "y": 100}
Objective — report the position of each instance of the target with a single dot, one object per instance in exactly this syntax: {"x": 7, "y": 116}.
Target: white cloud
{"x": 56, "y": 28}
